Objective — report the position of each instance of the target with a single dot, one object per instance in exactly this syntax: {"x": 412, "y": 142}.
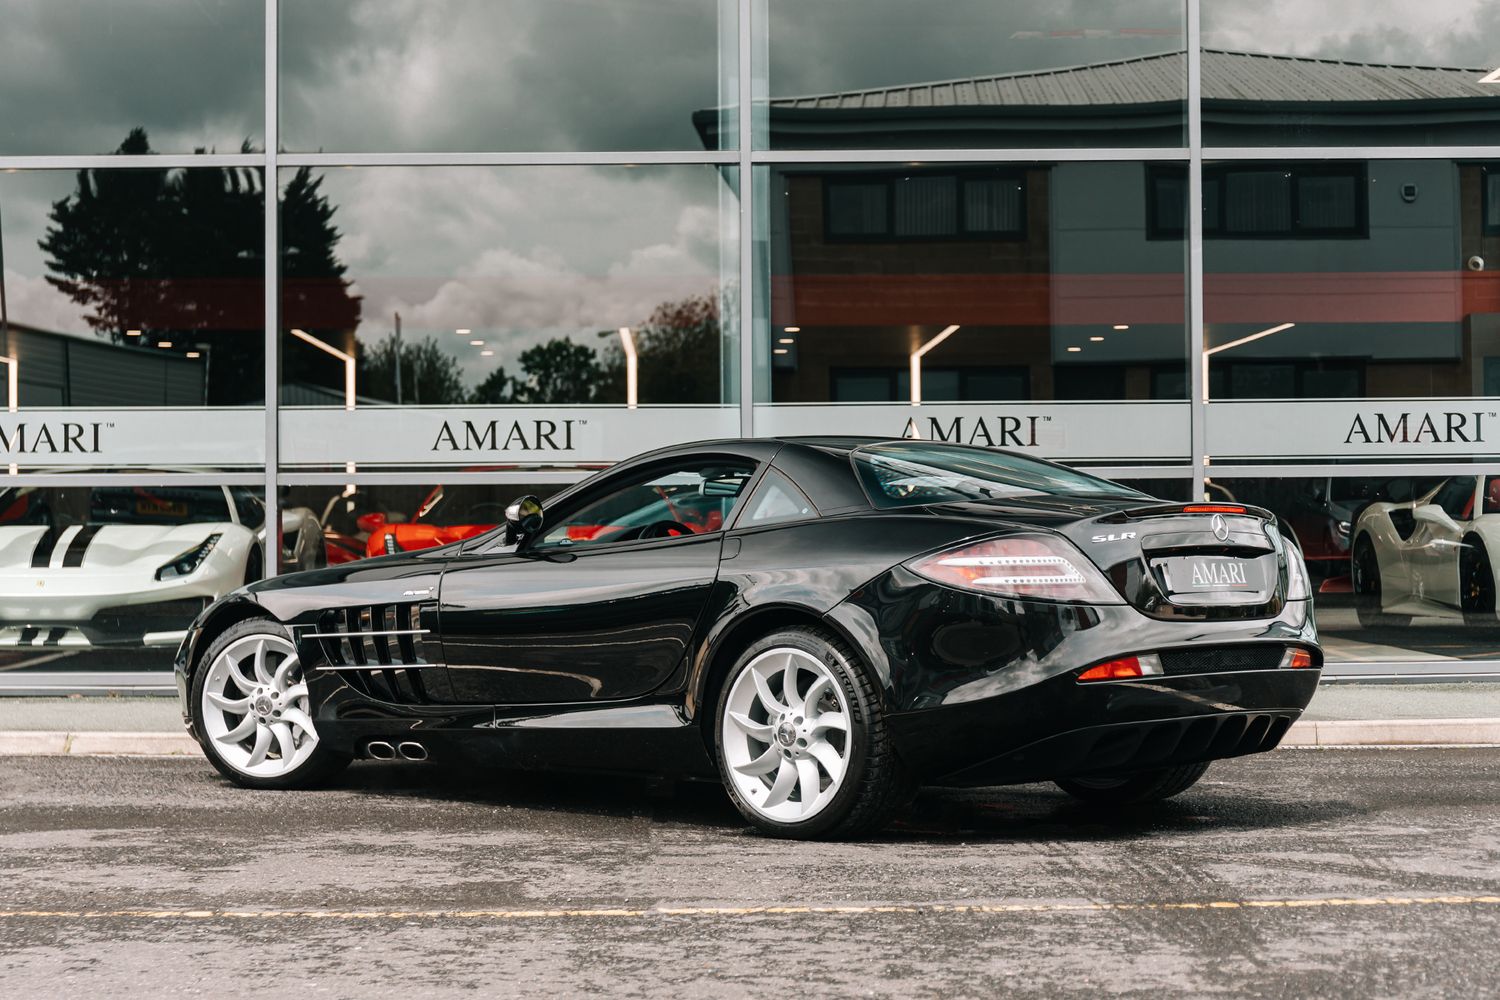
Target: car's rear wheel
{"x": 1368, "y": 601}
{"x": 1134, "y": 789}
{"x": 251, "y": 711}
{"x": 1476, "y": 582}
{"x": 802, "y": 743}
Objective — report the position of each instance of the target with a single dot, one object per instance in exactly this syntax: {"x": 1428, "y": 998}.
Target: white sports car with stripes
{"x": 123, "y": 565}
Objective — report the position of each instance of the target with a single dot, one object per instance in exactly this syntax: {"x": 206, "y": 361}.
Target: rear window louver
{"x": 380, "y": 649}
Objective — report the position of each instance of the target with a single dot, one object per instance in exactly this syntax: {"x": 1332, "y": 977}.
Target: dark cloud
{"x": 77, "y": 75}
{"x": 464, "y": 75}
{"x": 1432, "y": 32}
{"x": 821, "y": 46}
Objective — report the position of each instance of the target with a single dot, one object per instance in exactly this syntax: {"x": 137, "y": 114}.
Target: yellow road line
{"x": 748, "y": 911}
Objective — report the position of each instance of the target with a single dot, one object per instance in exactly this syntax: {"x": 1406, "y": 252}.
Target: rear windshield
{"x": 910, "y": 474}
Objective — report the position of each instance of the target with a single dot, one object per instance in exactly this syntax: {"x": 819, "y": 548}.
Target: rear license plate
{"x": 1212, "y": 575}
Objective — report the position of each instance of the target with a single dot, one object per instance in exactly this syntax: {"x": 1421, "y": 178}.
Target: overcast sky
{"x": 527, "y": 253}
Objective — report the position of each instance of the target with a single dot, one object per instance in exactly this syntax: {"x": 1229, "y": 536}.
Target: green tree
{"x": 179, "y": 255}
{"x": 498, "y": 387}
{"x": 429, "y": 374}
{"x": 558, "y": 371}
{"x": 678, "y": 355}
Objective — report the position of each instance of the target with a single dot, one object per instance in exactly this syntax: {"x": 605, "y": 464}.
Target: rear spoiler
{"x": 1175, "y": 509}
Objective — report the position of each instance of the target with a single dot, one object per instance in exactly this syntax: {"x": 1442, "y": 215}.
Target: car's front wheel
{"x": 802, "y": 742}
{"x": 1476, "y": 583}
{"x": 1134, "y": 789}
{"x": 251, "y": 711}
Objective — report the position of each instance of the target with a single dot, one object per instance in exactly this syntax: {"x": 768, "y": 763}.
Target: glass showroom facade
{"x": 368, "y": 269}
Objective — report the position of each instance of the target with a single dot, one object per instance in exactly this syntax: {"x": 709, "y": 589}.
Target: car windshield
{"x": 61, "y": 507}
{"x": 910, "y": 474}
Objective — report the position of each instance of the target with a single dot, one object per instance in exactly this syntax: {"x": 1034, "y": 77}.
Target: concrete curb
{"x": 1308, "y": 733}
{"x": 97, "y": 744}
{"x": 1392, "y": 732}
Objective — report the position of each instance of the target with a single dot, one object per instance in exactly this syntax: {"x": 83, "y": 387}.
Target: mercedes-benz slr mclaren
{"x": 819, "y": 624}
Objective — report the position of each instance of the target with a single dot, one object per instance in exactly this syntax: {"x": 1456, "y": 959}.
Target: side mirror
{"x": 523, "y": 518}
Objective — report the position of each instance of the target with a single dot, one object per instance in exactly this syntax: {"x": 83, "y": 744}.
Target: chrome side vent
{"x": 381, "y": 649}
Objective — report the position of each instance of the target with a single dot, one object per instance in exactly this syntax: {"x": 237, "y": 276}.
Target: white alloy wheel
{"x": 785, "y": 735}
{"x": 255, "y": 709}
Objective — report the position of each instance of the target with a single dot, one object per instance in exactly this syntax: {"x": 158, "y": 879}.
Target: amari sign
{"x": 498, "y": 436}
{"x": 1097, "y": 432}
{"x": 125, "y": 437}
{"x": 1370, "y": 428}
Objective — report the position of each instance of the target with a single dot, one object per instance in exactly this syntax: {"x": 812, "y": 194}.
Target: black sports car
{"x": 819, "y": 623}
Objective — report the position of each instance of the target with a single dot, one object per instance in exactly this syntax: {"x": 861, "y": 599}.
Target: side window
{"x": 1492, "y": 495}
{"x": 776, "y": 499}
{"x": 690, "y": 499}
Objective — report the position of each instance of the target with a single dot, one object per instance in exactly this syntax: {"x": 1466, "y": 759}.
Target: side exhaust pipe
{"x": 380, "y": 750}
{"x": 412, "y": 751}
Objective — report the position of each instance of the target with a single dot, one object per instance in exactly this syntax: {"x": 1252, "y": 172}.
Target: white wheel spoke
{"x": 299, "y": 719}
{"x": 244, "y": 683}
{"x": 295, "y": 693}
{"x": 760, "y": 730}
{"x": 820, "y": 687}
{"x": 239, "y": 732}
{"x": 262, "y": 745}
{"x": 283, "y": 672}
{"x": 789, "y": 687}
{"x": 826, "y": 755}
{"x": 238, "y": 706}
{"x": 260, "y": 663}
{"x": 786, "y": 780}
{"x": 772, "y": 703}
{"x": 830, "y": 720}
{"x": 764, "y": 764}
{"x": 809, "y": 783}
{"x": 285, "y": 745}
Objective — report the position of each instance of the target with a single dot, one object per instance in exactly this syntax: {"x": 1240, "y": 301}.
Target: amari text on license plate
{"x": 1199, "y": 574}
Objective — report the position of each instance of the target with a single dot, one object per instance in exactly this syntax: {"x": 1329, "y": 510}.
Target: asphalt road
{"x": 1370, "y": 873}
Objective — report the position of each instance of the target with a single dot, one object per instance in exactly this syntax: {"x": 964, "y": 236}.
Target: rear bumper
{"x": 1061, "y": 728}
{"x": 983, "y": 690}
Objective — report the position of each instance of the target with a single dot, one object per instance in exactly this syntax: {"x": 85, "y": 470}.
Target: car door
{"x": 1435, "y": 544}
{"x": 602, "y": 603}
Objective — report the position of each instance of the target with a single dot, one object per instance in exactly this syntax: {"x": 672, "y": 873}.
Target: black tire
{"x": 1476, "y": 583}
{"x": 323, "y": 762}
{"x": 1365, "y": 568}
{"x": 876, "y": 782}
{"x": 1134, "y": 789}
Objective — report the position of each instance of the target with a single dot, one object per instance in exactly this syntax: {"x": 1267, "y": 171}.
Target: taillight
{"x": 1297, "y": 658}
{"x": 1213, "y": 508}
{"x": 1124, "y": 668}
{"x": 1296, "y": 575}
{"x": 1031, "y": 566}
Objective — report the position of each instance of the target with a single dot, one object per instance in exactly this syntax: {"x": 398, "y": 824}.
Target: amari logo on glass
{"x": 60, "y": 438}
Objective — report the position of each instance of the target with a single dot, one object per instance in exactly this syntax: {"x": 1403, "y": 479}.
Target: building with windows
{"x": 384, "y": 267}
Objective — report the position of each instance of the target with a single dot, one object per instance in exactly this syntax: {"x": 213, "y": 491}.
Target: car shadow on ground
{"x": 1016, "y": 813}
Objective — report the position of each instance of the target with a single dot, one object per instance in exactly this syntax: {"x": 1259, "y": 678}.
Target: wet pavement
{"x": 1371, "y": 873}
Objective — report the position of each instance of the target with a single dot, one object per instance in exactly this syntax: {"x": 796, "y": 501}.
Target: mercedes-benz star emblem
{"x": 1221, "y": 528}
{"x": 786, "y": 734}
